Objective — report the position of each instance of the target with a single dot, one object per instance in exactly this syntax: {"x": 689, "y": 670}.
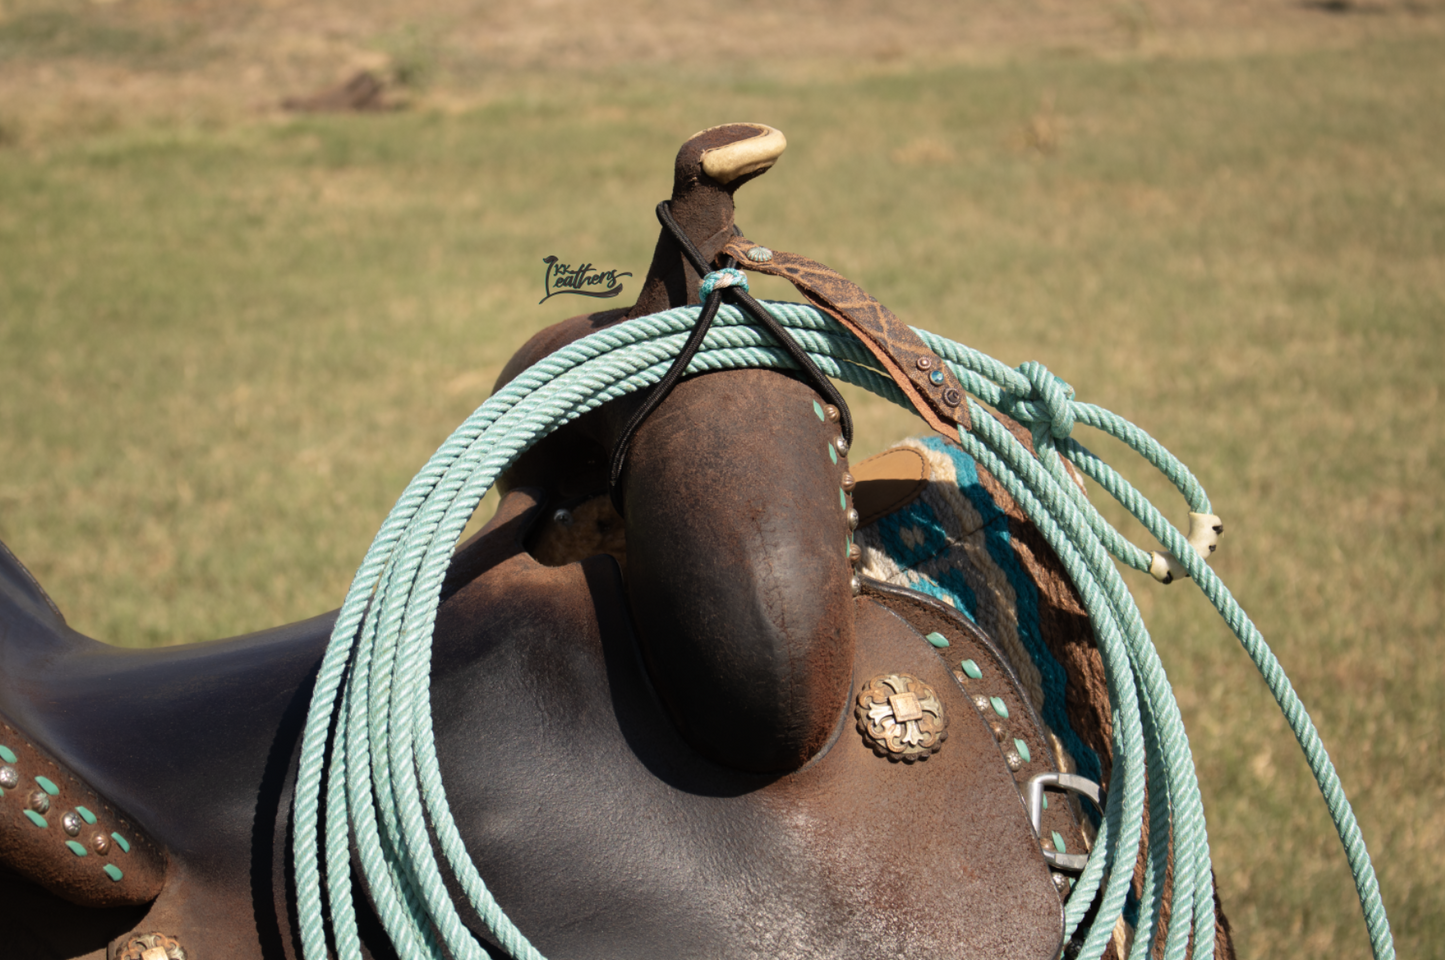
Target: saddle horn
{"x": 737, "y": 522}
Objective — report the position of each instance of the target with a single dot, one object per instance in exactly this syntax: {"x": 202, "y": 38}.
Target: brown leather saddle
{"x": 719, "y": 743}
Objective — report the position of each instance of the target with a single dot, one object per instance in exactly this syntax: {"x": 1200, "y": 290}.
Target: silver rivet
{"x": 100, "y": 843}
{"x": 1013, "y": 760}
{"x": 9, "y": 779}
{"x": 952, "y": 397}
{"x": 1061, "y": 881}
{"x": 925, "y": 363}
{"x": 981, "y": 703}
{"x": 842, "y": 444}
{"x": 856, "y": 585}
{"x": 831, "y": 413}
{"x": 847, "y": 483}
{"x": 852, "y": 516}
{"x": 40, "y": 801}
{"x": 563, "y": 518}
{"x": 71, "y": 823}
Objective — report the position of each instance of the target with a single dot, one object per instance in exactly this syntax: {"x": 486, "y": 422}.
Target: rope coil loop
{"x": 369, "y": 772}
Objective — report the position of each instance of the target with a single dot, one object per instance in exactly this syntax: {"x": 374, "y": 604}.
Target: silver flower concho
{"x": 901, "y": 718}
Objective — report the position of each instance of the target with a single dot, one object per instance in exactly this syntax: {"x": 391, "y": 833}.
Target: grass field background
{"x": 229, "y": 335}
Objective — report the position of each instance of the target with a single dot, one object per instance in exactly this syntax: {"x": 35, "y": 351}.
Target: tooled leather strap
{"x": 59, "y": 833}
{"x": 919, "y": 372}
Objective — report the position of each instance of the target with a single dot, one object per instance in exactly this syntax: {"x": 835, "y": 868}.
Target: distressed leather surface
{"x": 999, "y": 698}
{"x": 72, "y": 865}
{"x": 601, "y": 832}
{"x": 892, "y": 341}
{"x": 603, "y": 835}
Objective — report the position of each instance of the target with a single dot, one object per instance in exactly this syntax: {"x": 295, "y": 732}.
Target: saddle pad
{"x": 954, "y": 541}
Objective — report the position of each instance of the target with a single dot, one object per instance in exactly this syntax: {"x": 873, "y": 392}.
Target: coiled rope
{"x": 369, "y": 771}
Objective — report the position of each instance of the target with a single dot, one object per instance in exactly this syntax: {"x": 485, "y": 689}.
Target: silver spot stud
{"x": 71, "y": 823}
{"x": 831, "y": 413}
{"x": 563, "y": 518}
{"x": 100, "y": 843}
{"x": 1062, "y": 882}
{"x": 925, "y": 363}
{"x": 40, "y": 801}
{"x": 855, "y": 552}
{"x": 981, "y": 703}
{"x": 1013, "y": 760}
{"x": 848, "y": 483}
{"x": 856, "y": 586}
{"x": 760, "y": 254}
{"x": 841, "y": 442}
{"x": 852, "y": 516}
{"x": 9, "y": 779}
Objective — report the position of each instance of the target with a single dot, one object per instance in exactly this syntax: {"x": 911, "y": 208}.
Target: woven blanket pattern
{"x": 954, "y": 542}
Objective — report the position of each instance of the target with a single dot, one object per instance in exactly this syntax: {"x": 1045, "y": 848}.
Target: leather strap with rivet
{"x": 60, "y": 833}
{"x": 919, "y": 372}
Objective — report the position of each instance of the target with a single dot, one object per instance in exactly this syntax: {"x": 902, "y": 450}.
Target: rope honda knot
{"x": 720, "y": 279}
{"x": 1051, "y": 396}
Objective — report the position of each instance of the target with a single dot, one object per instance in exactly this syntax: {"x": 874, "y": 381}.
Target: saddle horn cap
{"x": 741, "y": 157}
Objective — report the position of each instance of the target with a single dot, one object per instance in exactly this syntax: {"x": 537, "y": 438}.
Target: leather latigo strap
{"x": 1003, "y": 705}
{"x": 939, "y": 400}
{"x": 59, "y": 833}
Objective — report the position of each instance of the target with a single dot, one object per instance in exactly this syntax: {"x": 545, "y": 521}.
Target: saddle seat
{"x": 599, "y": 830}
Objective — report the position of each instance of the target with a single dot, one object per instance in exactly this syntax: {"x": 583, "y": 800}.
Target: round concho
{"x": 150, "y": 946}
{"x": 901, "y": 718}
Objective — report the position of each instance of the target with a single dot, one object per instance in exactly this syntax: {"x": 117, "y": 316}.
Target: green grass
{"x": 224, "y": 351}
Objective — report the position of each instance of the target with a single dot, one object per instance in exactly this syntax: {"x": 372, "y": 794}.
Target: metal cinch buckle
{"x": 1072, "y": 862}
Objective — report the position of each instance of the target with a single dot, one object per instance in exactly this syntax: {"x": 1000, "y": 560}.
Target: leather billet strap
{"x": 939, "y": 400}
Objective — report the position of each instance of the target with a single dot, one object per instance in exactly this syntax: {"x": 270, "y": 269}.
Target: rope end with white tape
{"x": 1204, "y": 531}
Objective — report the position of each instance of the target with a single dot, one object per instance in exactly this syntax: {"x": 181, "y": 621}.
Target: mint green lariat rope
{"x": 369, "y": 751}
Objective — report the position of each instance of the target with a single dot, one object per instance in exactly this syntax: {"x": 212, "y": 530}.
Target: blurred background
{"x": 258, "y": 259}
